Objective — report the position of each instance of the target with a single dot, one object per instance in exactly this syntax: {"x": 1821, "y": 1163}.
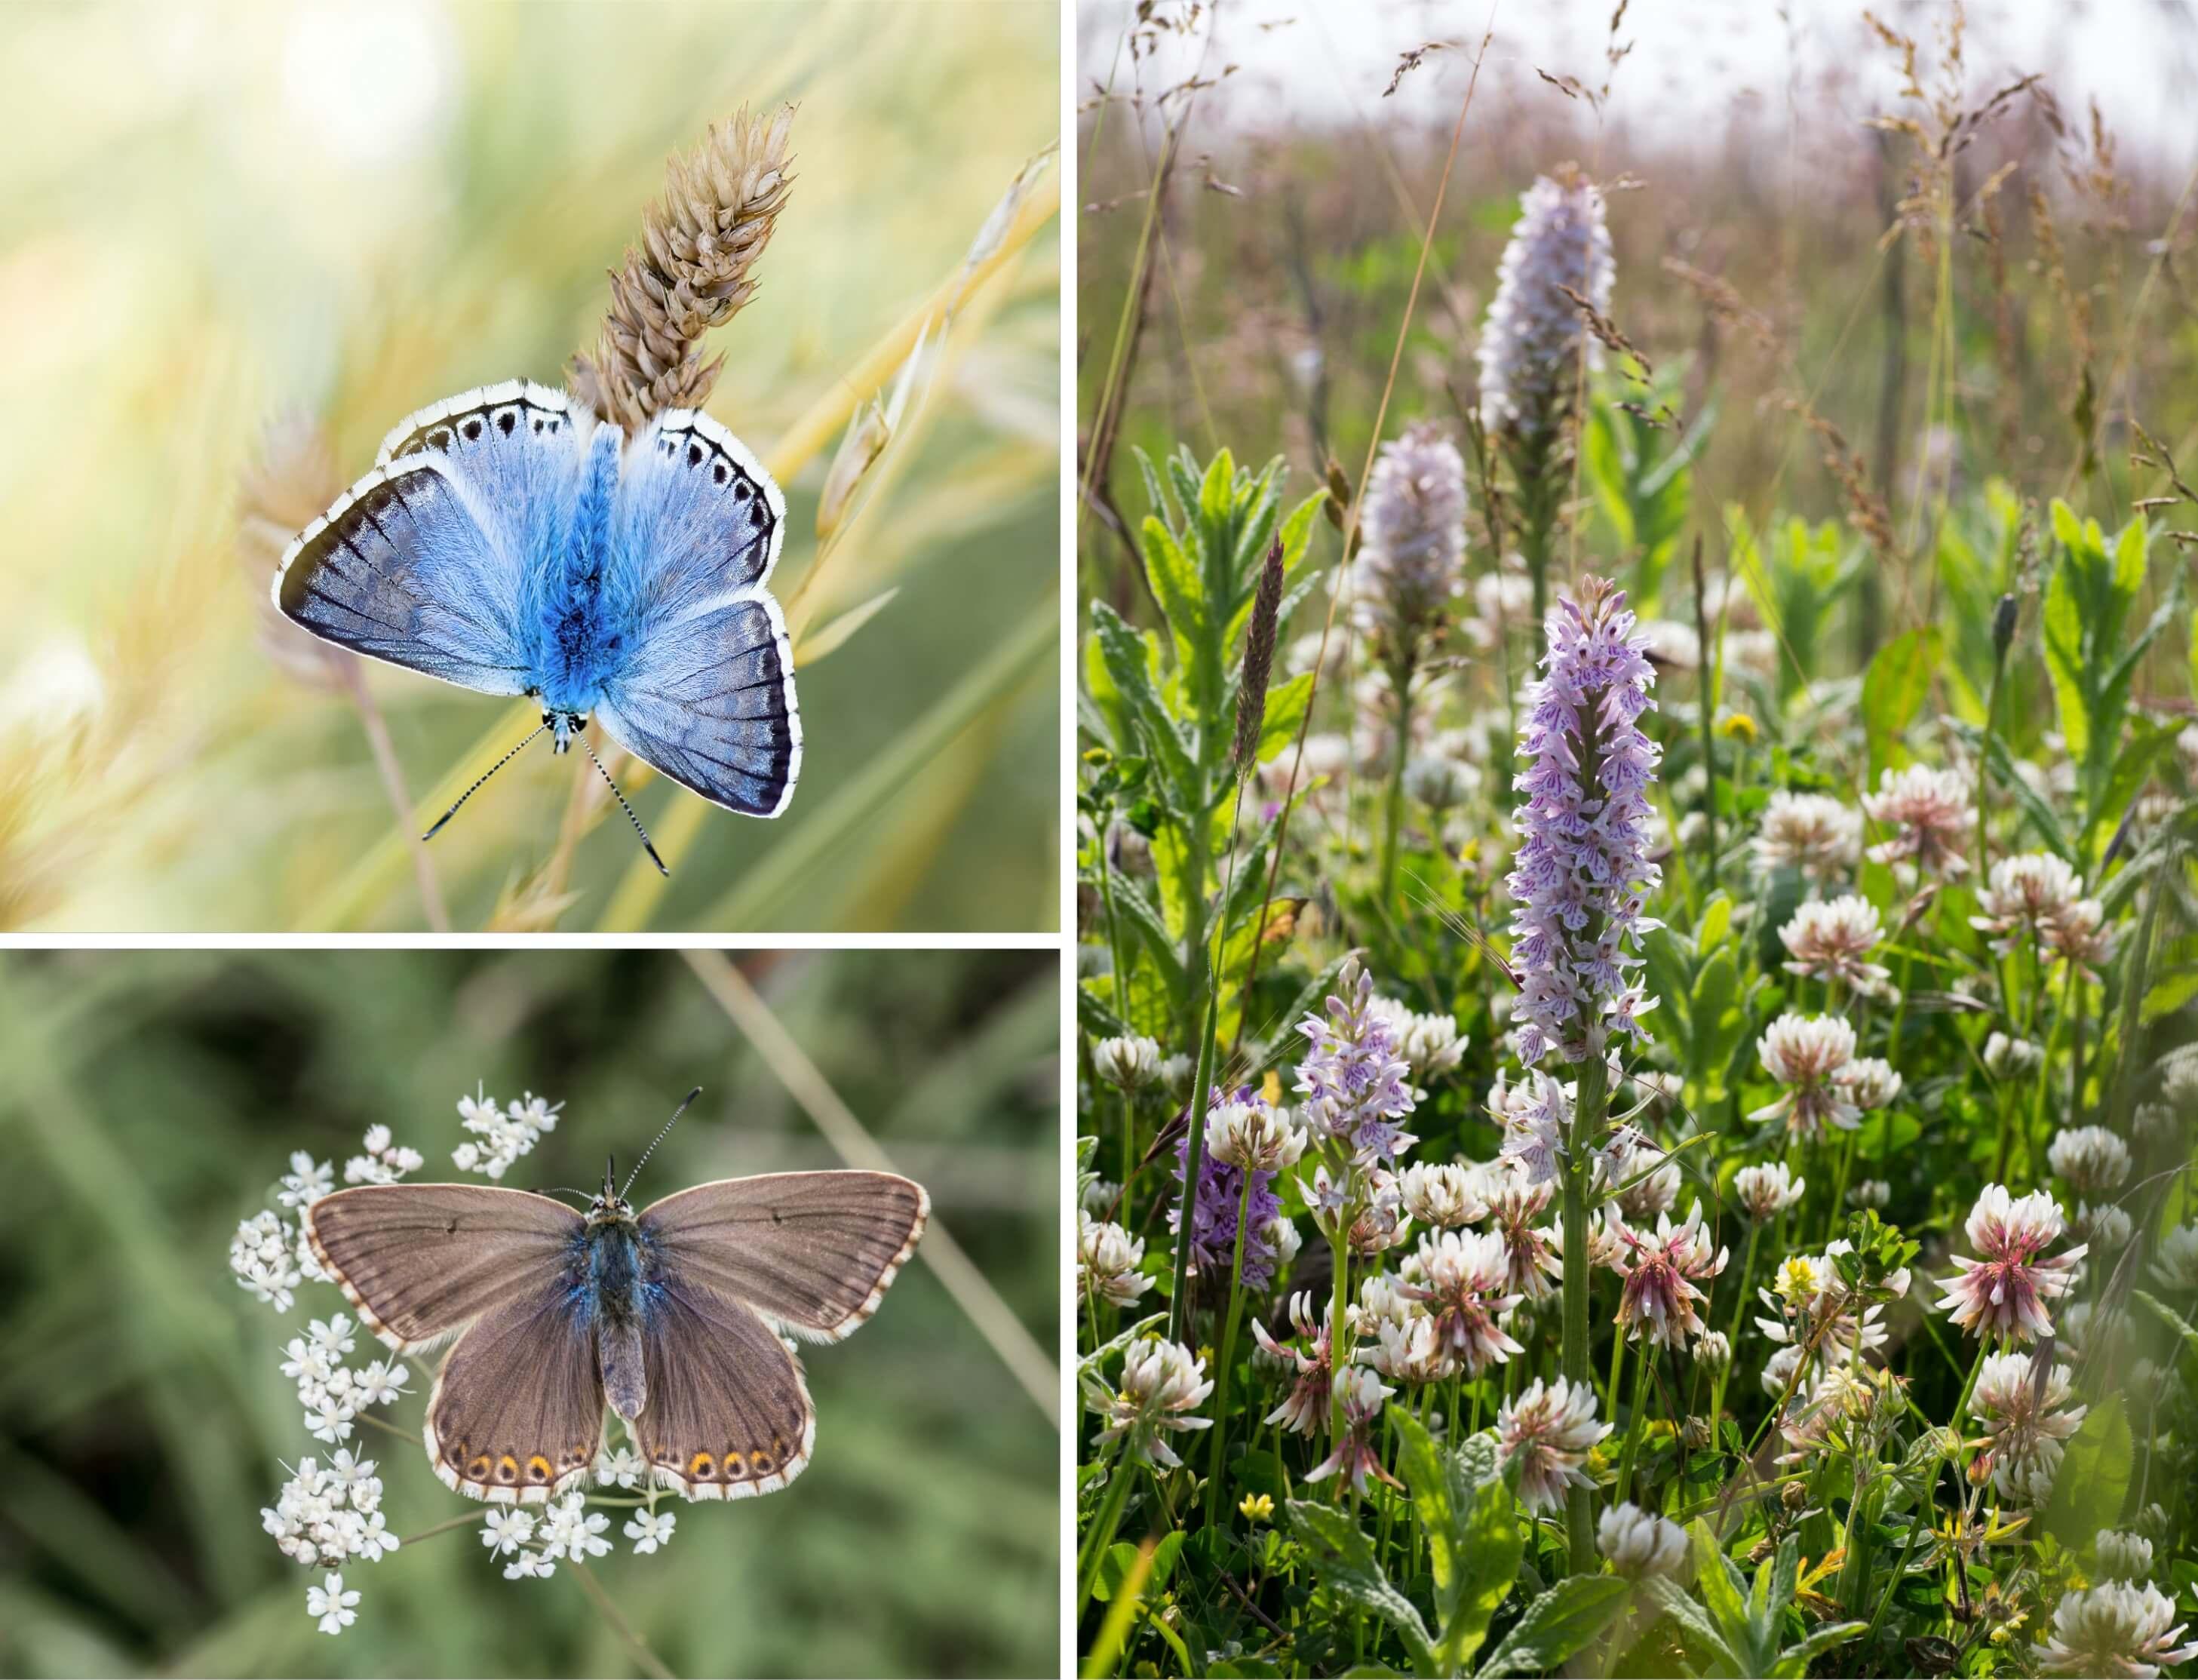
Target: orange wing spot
{"x": 762, "y": 1462}
{"x": 477, "y": 1470}
{"x": 736, "y": 1469}
{"x": 778, "y": 1445}
{"x": 701, "y": 1468}
{"x": 538, "y": 1468}
{"x": 507, "y": 1469}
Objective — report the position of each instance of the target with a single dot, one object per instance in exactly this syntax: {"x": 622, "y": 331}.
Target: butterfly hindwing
{"x": 728, "y": 1414}
{"x": 420, "y": 1261}
{"x": 811, "y": 1252}
{"x": 516, "y": 1413}
{"x": 710, "y": 703}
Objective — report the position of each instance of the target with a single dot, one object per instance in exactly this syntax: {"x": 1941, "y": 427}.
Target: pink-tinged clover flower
{"x": 1354, "y": 1456}
{"x": 1832, "y": 942}
{"x": 2026, "y": 1427}
{"x": 1515, "y": 1202}
{"x": 1162, "y": 1382}
{"x": 1582, "y": 870}
{"x": 1463, "y": 1276}
{"x": 1658, "y": 1297}
{"x": 1548, "y": 1433}
{"x": 2004, "y": 1291}
{"x": 1806, "y": 1054}
{"x": 1812, "y": 833}
{"x": 1930, "y": 815}
{"x": 1305, "y": 1408}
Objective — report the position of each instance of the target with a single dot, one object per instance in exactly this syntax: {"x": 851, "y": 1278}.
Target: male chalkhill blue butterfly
{"x": 508, "y": 541}
{"x": 677, "y": 1315}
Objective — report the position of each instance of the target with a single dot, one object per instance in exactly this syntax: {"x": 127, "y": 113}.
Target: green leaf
{"x": 1562, "y": 1621}
{"x": 1174, "y": 577}
{"x": 1343, "y": 1560}
{"x": 1467, "y": 1517}
{"x": 1701, "y": 1632}
{"x": 1715, "y": 1013}
{"x": 1794, "y": 1661}
{"x": 1131, "y": 660}
{"x": 1285, "y": 710}
{"x": 1893, "y": 690}
{"x": 1122, "y": 1556}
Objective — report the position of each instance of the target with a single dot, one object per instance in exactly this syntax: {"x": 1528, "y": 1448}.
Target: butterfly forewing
{"x": 813, "y": 1251}
{"x": 517, "y": 1410}
{"x": 729, "y": 1416}
{"x": 419, "y": 1261}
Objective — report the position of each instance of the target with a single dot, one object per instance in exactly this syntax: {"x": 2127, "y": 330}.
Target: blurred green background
{"x": 214, "y": 215}
{"x": 153, "y": 1098}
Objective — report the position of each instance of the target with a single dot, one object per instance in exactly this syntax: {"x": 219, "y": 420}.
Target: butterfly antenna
{"x": 632, "y": 818}
{"x": 475, "y": 789}
{"x": 658, "y": 1139}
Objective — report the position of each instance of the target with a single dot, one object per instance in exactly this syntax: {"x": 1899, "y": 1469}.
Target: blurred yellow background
{"x": 211, "y": 216}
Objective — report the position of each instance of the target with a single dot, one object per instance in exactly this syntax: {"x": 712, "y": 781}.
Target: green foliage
{"x": 1466, "y": 1512}
{"x": 1739, "y": 1632}
{"x": 1639, "y": 466}
{"x": 1567, "y": 1619}
{"x": 1893, "y": 690}
{"x": 1796, "y": 574}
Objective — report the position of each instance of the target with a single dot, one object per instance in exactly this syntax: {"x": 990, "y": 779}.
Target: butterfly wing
{"x": 728, "y": 1414}
{"x": 421, "y": 1261}
{"x": 421, "y": 562}
{"x": 706, "y": 694}
{"x": 516, "y": 1413}
{"x": 811, "y": 1252}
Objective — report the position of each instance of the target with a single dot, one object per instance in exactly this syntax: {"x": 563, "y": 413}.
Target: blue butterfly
{"x": 510, "y": 541}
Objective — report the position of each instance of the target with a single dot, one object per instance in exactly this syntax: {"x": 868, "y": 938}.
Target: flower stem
{"x": 465, "y": 1521}
{"x": 1587, "y": 1121}
{"x": 1633, "y": 1424}
{"x": 1103, "y": 1536}
{"x": 637, "y": 1647}
{"x": 1224, "y": 1366}
{"x": 1401, "y": 680}
{"x": 1732, "y": 1336}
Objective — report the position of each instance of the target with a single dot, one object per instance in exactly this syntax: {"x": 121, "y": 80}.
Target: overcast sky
{"x": 1694, "y": 61}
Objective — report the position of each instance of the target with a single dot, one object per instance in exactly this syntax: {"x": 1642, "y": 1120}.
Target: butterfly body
{"x": 511, "y": 543}
{"x": 676, "y": 1317}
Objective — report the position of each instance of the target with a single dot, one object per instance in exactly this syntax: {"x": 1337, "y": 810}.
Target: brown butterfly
{"x": 675, "y": 1315}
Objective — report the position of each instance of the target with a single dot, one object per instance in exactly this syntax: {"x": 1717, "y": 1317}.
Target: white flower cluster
{"x": 332, "y": 1394}
{"x": 507, "y": 1133}
{"x": 565, "y": 1529}
{"x": 327, "y": 1514}
{"x": 263, "y": 1255}
{"x": 383, "y": 1163}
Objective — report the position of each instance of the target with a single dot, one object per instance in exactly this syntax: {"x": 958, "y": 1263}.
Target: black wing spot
{"x": 694, "y": 455}
{"x": 740, "y": 490}
{"x": 440, "y": 438}
{"x": 506, "y": 420}
{"x": 718, "y": 472}
{"x": 552, "y": 426}
{"x": 473, "y": 428}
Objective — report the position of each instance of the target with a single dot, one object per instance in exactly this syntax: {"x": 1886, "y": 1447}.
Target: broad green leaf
{"x": 1794, "y": 1661}
{"x": 1701, "y": 1633}
{"x": 1175, "y": 585}
{"x": 1893, "y": 690}
{"x": 1717, "y": 1021}
{"x": 1121, "y": 1557}
{"x": 1467, "y": 1516}
{"x": 1566, "y": 1619}
{"x": 1285, "y": 710}
{"x": 1342, "y": 1560}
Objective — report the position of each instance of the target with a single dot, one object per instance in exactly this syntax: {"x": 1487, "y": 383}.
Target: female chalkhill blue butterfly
{"x": 508, "y": 541}
{"x": 677, "y": 1315}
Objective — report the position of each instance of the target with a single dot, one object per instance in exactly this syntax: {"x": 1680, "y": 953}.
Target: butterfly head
{"x": 563, "y": 727}
{"x": 609, "y": 1206}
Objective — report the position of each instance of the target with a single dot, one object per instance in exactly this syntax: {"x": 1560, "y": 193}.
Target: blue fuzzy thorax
{"x": 578, "y": 623}
{"x": 615, "y": 1270}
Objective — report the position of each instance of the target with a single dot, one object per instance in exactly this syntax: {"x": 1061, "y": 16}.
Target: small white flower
{"x": 331, "y": 1605}
{"x": 622, "y": 1468}
{"x": 2124, "y": 1557}
{"x": 349, "y": 1471}
{"x": 2007, "y": 1058}
{"x": 377, "y": 1139}
{"x": 305, "y": 1182}
{"x": 378, "y": 1382}
{"x": 649, "y": 1530}
{"x": 537, "y": 1564}
{"x": 2094, "y": 1161}
{"x": 1129, "y": 1064}
{"x": 506, "y": 1529}
{"x": 329, "y": 1421}
{"x": 370, "y": 1537}
{"x": 331, "y": 1335}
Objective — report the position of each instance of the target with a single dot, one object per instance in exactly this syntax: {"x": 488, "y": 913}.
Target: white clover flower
{"x": 1640, "y": 1543}
{"x": 1463, "y": 1279}
{"x": 2007, "y": 1058}
{"x": 1251, "y": 1134}
{"x": 1442, "y": 1194}
{"x": 1440, "y": 784}
{"x": 1549, "y": 1432}
{"x": 2093, "y": 1161}
{"x": 2176, "y": 1264}
{"x": 331, "y": 1606}
{"x": 1814, "y": 833}
{"x": 306, "y": 1181}
{"x": 1106, "y": 1261}
{"x": 506, "y": 1529}
{"x": 648, "y": 1530}
{"x": 2026, "y": 1428}
{"x": 1429, "y": 1045}
{"x": 1930, "y": 815}
{"x": 2028, "y": 896}
{"x": 1870, "y": 1081}
{"x": 263, "y": 1256}
{"x": 1177, "y": 1073}
{"x": 1870, "y": 1193}
{"x": 1714, "y": 1350}
{"x": 2116, "y": 1630}
{"x": 1161, "y": 1382}
{"x": 1284, "y": 1235}
{"x": 1129, "y": 1064}
{"x": 2123, "y": 1557}
{"x": 1766, "y": 1192}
